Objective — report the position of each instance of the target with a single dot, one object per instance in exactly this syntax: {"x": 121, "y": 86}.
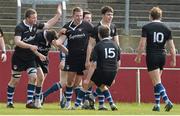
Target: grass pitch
{"x": 54, "y": 109}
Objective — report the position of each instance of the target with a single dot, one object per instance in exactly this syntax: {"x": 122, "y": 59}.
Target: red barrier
{"x": 123, "y": 90}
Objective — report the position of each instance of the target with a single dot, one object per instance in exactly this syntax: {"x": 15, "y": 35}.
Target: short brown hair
{"x": 106, "y": 9}
{"x": 29, "y": 12}
{"x": 104, "y": 31}
{"x": 51, "y": 34}
{"x": 77, "y": 9}
{"x": 155, "y": 13}
{"x": 86, "y": 12}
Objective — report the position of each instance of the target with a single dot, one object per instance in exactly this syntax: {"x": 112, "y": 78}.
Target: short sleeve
{"x": 144, "y": 32}
{"x": 40, "y": 25}
{"x": 113, "y": 30}
{"x": 18, "y": 31}
{"x": 90, "y": 29}
{"x": 95, "y": 32}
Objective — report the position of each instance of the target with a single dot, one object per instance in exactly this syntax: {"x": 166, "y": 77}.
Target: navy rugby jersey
{"x": 112, "y": 33}
{"x": 27, "y": 34}
{"x": 157, "y": 33}
{"x": 106, "y": 53}
{"x": 78, "y": 37}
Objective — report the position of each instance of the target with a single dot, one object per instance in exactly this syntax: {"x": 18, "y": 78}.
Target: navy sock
{"x": 157, "y": 95}
{"x": 163, "y": 93}
{"x": 10, "y": 94}
{"x": 108, "y": 96}
{"x": 68, "y": 92}
{"x": 30, "y": 93}
{"x": 79, "y": 98}
{"x": 38, "y": 92}
{"x": 53, "y": 88}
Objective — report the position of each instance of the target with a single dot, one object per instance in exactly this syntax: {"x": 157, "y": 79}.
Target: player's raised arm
{"x": 55, "y": 19}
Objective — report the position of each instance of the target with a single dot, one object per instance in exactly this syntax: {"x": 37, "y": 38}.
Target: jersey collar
{"x": 30, "y": 27}
{"x": 106, "y": 38}
{"x": 101, "y": 22}
{"x": 156, "y": 20}
{"x": 73, "y": 28}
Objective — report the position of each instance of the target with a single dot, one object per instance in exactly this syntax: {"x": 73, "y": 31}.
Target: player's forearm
{"x": 88, "y": 54}
{"x": 22, "y": 44}
{"x": 90, "y": 47}
{"x": 173, "y": 53}
{"x": 116, "y": 39}
{"x": 52, "y": 21}
{"x": 141, "y": 47}
{"x": 63, "y": 49}
{"x": 41, "y": 56}
{"x": 172, "y": 49}
{"x": 91, "y": 70}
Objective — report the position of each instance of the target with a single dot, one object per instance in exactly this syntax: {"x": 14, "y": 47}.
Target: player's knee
{"x": 15, "y": 78}
{"x": 16, "y": 75}
{"x": 103, "y": 87}
{"x": 40, "y": 78}
{"x": 63, "y": 82}
{"x": 77, "y": 85}
{"x": 32, "y": 72}
{"x": 70, "y": 83}
{"x": 32, "y": 80}
{"x": 13, "y": 82}
{"x": 40, "y": 81}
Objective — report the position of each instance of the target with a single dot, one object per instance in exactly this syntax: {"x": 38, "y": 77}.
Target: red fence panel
{"x": 123, "y": 90}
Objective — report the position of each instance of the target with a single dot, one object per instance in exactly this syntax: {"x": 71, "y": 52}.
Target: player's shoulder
{"x": 113, "y": 25}
{"x": 20, "y": 26}
{"x": 67, "y": 24}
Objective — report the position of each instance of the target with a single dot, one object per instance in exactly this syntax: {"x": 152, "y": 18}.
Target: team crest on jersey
{"x": 14, "y": 67}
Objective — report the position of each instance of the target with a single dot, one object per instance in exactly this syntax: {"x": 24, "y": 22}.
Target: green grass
{"x": 54, "y": 109}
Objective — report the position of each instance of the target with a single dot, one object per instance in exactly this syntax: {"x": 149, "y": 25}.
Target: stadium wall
{"x": 124, "y": 89}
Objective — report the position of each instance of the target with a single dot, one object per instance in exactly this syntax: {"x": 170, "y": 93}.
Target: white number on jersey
{"x": 158, "y": 37}
{"x": 109, "y": 52}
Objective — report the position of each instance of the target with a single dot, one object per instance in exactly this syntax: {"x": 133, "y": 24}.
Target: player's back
{"x": 157, "y": 33}
{"x": 107, "y": 55}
